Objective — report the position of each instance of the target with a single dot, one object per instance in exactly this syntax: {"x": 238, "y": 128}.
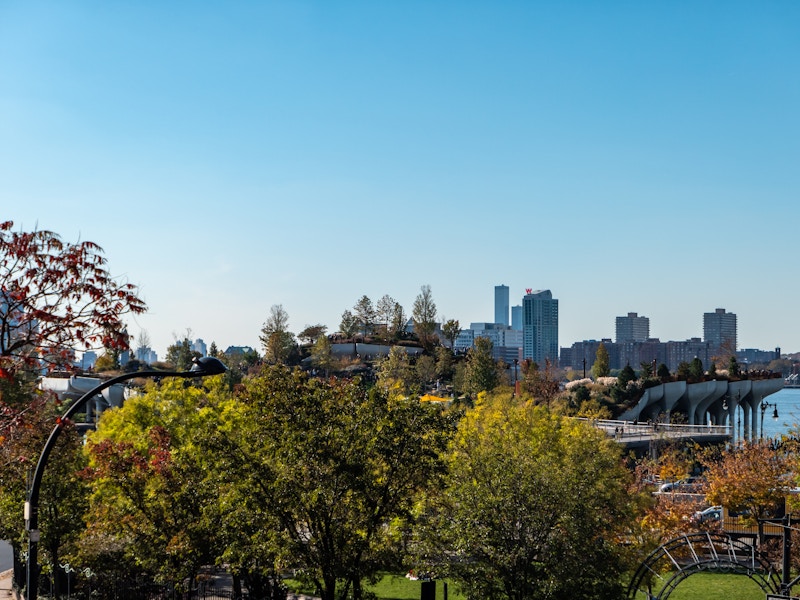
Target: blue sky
{"x": 228, "y": 156}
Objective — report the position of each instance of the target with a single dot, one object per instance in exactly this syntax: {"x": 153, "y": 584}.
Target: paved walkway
{"x": 6, "y": 589}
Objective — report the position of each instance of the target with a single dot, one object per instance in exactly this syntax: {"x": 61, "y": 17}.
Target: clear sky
{"x": 229, "y": 156}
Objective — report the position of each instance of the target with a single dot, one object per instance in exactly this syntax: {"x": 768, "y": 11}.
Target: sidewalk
{"x": 6, "y": 589}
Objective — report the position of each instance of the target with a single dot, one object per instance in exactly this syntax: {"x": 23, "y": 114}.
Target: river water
{"x": 788, "y": 403}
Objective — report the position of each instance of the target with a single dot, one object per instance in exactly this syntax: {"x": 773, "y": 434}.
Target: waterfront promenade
{"x": 637, "y": 436}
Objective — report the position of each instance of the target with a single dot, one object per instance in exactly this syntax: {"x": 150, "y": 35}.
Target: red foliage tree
{"x": 56, "y": 297}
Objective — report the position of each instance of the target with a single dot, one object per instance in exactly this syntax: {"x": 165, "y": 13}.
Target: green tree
{"x": 322, "y": 354}
{"x": 696, "y": 372}
{"x": 312, "y": 333}
{"x": 712, "y": 370}
{"x": 626, "y": 375}
{"x": 364, "y": 312}
{"x": 734, "y": 369}
{"x": 646, "y": 369}
{"x": 663, "y": 373}
{"x": 445, "y": 367}
{"x": 451, "y": 329}
{"x": 277, "y": 340}
{"x": 683, "y": 372}
{"x": 333, "y": 466}
{"x": 63, "y": 492}
{"x": 600, "y": 368}
{"x": 180, "y": 355}
{"x": 398, "y": 322}
{"x": 348, "y": 325}
{"x": 396, "y": 376}
{"x": 482, "y": 372}
{"x": 108, "y": 361}
{"x": 150, "y": 509}
{"x": 385, "y": 311}
{"x": 425, "y": 369}
{"x": 530, "y": 507}
{"x": 424, "y": 317}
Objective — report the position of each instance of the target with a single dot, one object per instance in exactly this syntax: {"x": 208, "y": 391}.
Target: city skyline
{"x": 628, "y": 157}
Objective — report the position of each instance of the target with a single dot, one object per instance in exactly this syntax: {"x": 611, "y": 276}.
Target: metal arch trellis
{"x": 677, "y": 559}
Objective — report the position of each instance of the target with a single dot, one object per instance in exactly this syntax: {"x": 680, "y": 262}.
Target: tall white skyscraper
{"x": 501, "y": 304}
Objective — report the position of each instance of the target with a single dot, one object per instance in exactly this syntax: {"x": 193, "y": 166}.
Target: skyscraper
{"x": 632, "y": 328}
{"x": 540, "y": 327}
{"x": 516, "y": 317}
{"x": 719, "y": 329}
{"x": 501, "y": 304}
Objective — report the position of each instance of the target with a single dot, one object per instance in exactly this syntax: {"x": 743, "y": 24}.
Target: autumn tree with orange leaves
{"x": 751, "y": 478}
{"x": 57, "y": 297}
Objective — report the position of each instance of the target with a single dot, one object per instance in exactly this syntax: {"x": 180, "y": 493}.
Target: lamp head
{"x": 207, "y": 365}
{"x": 775, "y": 413}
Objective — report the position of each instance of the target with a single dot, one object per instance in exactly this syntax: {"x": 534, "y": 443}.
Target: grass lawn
{"x": 393, "y": 587}
{"x": 398, "y": 587}
{"x": 701, "y": 586}
{"x": 717, "y": 586}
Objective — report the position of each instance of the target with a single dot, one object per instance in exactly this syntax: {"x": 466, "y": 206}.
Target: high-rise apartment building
{"x": 719, "y": 329}
{"x": 540, "y": 327}
{"x": 516, "y": 317}
{"x": 632, "y": 328}
{"x": 501, "y": 304}
{"x": 200, "y": 346}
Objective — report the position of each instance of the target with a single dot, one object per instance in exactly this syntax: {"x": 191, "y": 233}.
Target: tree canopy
{"x": 56, "y": 297}
{"x": 323, "y": 468}
{"x": 424, "y": 317}
{"x": 278, "y": 342}
{"x": 482, "y": 372}
{"x": 600, "y": 368}
{"x": 530, "y": 506}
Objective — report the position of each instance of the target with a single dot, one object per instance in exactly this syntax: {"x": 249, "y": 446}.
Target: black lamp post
{"x": 202, "y": 367}
{"x": 764, "y": 405}
{"x": 516, "y": 364}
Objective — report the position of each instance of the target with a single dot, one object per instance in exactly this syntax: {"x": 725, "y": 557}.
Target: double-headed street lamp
{"x": 764, "y": 406}
{"x": 202, "y": 367}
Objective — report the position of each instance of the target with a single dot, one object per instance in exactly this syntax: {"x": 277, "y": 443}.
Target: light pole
{"x": 764, "y": 405}
{"x": 516, "y": 364}
{"x": 202, "y": 367}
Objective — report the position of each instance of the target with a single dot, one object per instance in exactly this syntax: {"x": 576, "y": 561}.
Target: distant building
{"x": 516, "y": 317}
{"x": 501, "y": 304}
{"x": 88, "y": 359}
{"x": 719, "y": 329}
{"x": 687, "y": 351}
{"x": 238, "y": 350}
{"x": 146, "y": 355}
{"x": 651, "y": 351}
{"x": 583, "y": 354}
{"x": 752, "y": 356}
{"x": 632, "y": 328}
{"x": 540, "y": 327}
{"x": 199, "y": 346}
{"x": 506, "y": 342}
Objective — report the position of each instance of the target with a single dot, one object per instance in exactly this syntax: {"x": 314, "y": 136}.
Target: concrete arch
{"x": 713, "y": 404}
{"x": 672, "y": 562}
{"x": 719, "y": 399}
{"x": 700, "y": 396}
